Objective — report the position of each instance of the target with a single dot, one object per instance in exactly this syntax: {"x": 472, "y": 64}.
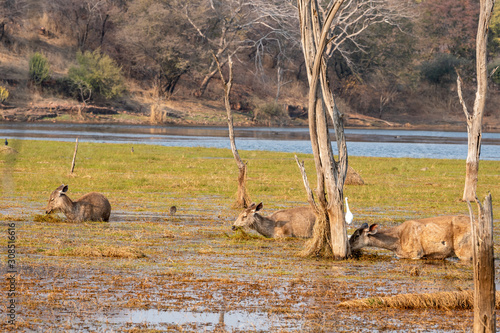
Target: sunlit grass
{"x": 152, "y": 176}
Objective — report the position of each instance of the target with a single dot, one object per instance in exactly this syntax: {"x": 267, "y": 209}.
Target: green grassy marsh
{"x": 153, "y": 177}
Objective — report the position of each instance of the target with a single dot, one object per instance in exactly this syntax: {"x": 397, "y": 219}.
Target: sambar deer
{"x": 293, "y": 222}
{"x": 90, "y": 207}
{"x": 431, "y": 238}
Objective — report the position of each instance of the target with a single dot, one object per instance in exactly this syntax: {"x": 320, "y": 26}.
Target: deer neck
{"x": 263, "y": 225}
{"x": 70, "y": 208}
{"x": 388, "y": 239}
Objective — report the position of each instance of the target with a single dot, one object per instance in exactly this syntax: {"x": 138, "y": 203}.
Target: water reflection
{"x": 230, "y": 320}
{"x": 360, "y": 142}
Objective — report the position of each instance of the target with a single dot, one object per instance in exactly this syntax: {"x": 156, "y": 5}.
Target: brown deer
{"x": 293, "y": 222}
{"x": 91, "y": 207}
{"x": 431, "y": 238}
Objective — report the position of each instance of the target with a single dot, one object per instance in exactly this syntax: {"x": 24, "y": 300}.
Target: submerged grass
{"x": 98, "y": 251}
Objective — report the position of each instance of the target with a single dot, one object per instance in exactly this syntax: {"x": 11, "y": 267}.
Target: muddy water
{"x": 360, "y": 142}
{"x": 198, "y": 277}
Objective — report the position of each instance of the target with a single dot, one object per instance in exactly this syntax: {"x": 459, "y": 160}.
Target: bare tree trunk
{"x": 484, "y": 268}
{"x": 482, "y": 230}
{"x": 204, "y": 84}
{"x": 242, "y": 197}
{"x": 74, "y": 157}
{"x": 475, "y": 120}
{"x": 103, "y": 30}
{"x": 330, "y": 234}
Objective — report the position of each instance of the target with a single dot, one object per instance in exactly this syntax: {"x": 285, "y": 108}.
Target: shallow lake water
{"x": 198, "y": 278}
{"x": 360, "y": 142}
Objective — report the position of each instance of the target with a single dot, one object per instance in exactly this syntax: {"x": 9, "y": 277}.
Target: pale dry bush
{"x": 294, "y": 93}
{"x": 440, "y": 300}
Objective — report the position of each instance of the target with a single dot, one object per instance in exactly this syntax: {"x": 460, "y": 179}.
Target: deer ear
{"x": 64, "y": 189}
{"x": 259, "y": 207}
{"x": 373, "y": 229}
{"x": 364, "y": 226}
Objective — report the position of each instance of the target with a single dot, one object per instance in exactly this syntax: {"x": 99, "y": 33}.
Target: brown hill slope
{"x": 26, "y": 103}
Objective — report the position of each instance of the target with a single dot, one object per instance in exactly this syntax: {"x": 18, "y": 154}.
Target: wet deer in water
{"x": 431, "y": 238}
{"x": 91, "y": 207}
{"x": 293, "y": 222}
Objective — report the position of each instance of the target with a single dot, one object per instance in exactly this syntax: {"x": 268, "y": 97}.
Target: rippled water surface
{"x": 360, "y": 142}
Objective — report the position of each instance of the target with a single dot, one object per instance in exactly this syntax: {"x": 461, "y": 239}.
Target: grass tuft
{"x": 454, "y": 300}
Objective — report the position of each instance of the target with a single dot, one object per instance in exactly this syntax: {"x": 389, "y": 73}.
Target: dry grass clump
{"x": 7, "y": 150}
{"x": 99, "y": 251}
{"x": 353, "y": 177}
{"x": 241, "y": 235}
{"x": 319, "y": 244}
{"x": 453, "y": 300}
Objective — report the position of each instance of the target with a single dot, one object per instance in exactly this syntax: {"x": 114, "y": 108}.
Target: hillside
{"x": 424, "y": 107}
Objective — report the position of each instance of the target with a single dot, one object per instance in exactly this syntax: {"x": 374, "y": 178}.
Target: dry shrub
{"x": 353, "y": 178}
{"x": 453, "y": 300}
{"x": 99, "y": 251}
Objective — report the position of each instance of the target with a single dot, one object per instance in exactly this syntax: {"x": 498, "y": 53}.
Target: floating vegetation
{"x": 52, "y": 218}
{"x": 241, "y": 235}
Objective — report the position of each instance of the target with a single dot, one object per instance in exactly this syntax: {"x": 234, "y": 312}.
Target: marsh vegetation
{"x": 149, "y": 271}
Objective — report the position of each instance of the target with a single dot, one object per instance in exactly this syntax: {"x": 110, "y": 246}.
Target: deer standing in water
{"x": 91, "y": 207}
{"x": 293, "y": 222}
{"x": 431, "y": 238}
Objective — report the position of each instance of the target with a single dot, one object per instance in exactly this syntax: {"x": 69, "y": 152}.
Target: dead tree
{"x": 482, "y": 228}
{"x": 74, "y": 157}
{"x": 484, "y": 267}
{"x": 330, "y": 234}
{"x": 475, "y": 119}
{"x": 242, "y": 197}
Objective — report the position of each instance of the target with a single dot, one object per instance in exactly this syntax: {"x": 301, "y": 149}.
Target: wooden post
{"x": 484, "y": 268}
{"x": 74, "y": 156}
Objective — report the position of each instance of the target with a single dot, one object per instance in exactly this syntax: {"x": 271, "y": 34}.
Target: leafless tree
{"x": 10, "y": 10}
{"x": 242, "y": 197}
{"x": 330, "y": 234}
{"x": 86, "y": 19}
{"x": 482, "y": 228}
{"x": 228, "y": 34}
{"x": 228, "y": 27}
{"x": 156, "y": 52}
{"x": 475, "y": 119}
{"x": 356, "y": 17}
